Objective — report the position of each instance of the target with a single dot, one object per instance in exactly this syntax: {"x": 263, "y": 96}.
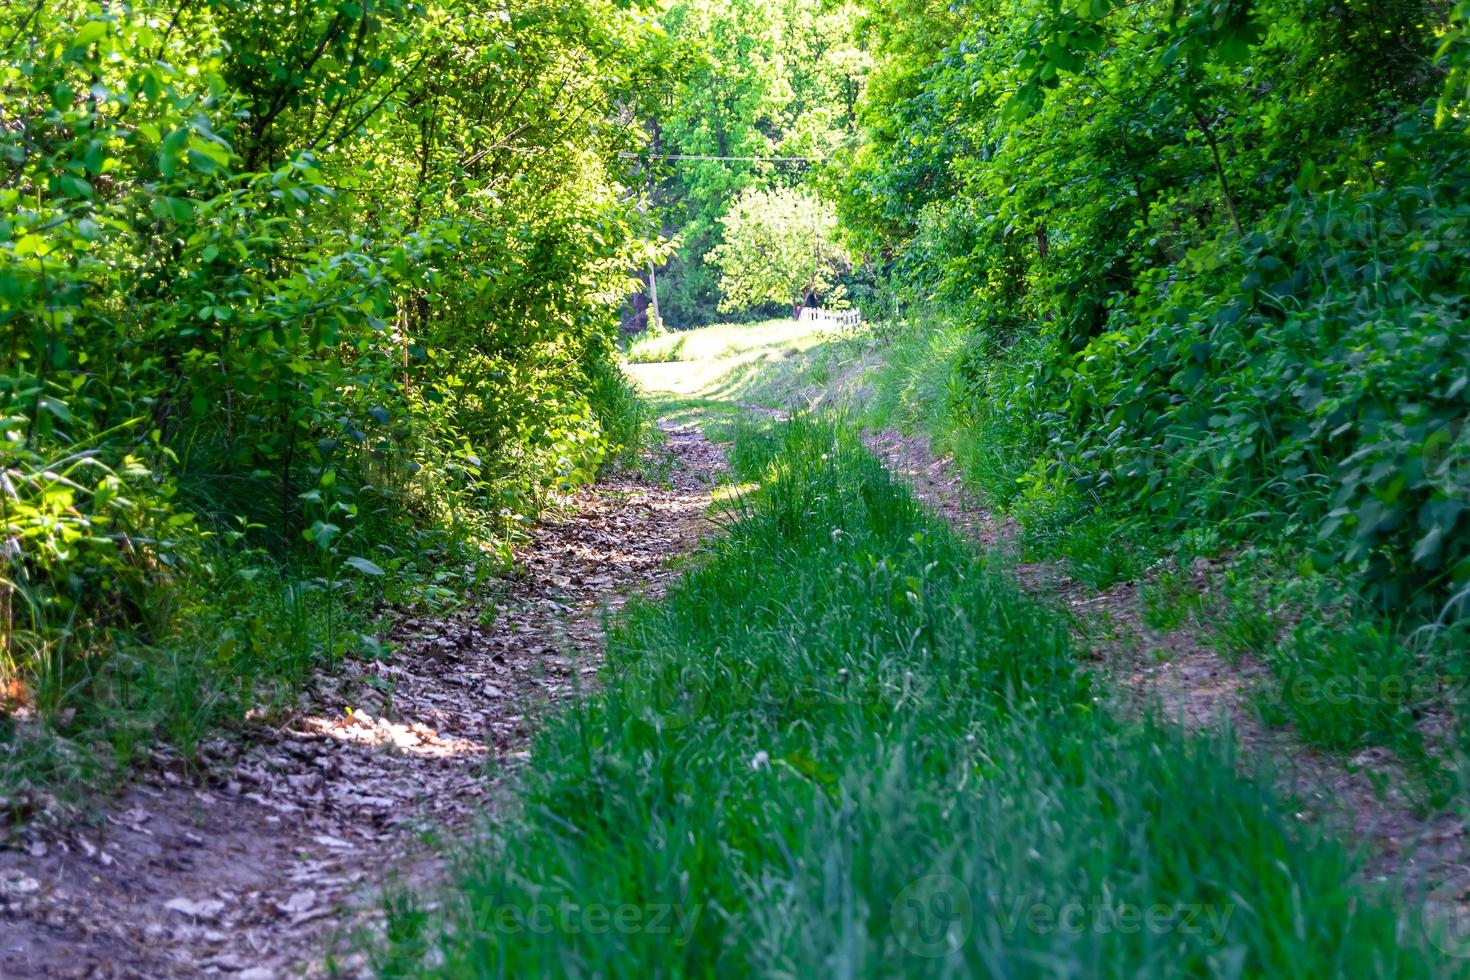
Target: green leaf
{"x": 363, "y": 565}
{"x": 168, "y": 152}
{"x": 1427, "y": 551}
{"x": 322, "y": 533}
{"x": 57, "y": 408}
{"x": 93, "y": 30}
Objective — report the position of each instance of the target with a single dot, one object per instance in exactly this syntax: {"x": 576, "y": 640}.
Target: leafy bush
{"x": 314, "y": 274}
{"x": 1201, "y": 263}
{"x": 1318, "y": 371}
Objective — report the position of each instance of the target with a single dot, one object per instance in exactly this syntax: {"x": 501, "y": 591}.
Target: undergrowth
{"x": 275, "y": 359}
{"x": 232, "y": 618}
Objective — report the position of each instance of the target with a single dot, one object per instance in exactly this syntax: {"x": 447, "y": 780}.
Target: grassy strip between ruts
{"x": 842, "y": 746}
{"x": 1344, "y": 674}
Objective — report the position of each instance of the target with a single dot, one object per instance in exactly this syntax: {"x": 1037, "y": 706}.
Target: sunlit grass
{"x": 695, "y": 362}
{"x": 727, "y": 339}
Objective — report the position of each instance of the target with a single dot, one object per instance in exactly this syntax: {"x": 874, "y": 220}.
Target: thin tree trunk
{"x": 1204, "y": 127}
{"x": 653, "y": 297}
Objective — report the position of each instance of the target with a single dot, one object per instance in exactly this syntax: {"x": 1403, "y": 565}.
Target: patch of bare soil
{"x": 1181, "y": 676}
{"x": 261, "y": 869}
{"x": 936, "y": 481}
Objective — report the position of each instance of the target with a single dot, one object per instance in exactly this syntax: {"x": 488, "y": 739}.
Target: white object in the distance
{"x": 838, "y": 318}
{"x": 717, "y": 159}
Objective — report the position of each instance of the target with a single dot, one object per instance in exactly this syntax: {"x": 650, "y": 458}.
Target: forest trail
{"x": 307, "y": 308}
{"x": 1187, "y": 680}
{"x": 280, "y": 853}
{"x": 1369, "y": 797}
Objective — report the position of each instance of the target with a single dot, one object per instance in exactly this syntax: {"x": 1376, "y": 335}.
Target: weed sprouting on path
{"x": 841, "y": 745}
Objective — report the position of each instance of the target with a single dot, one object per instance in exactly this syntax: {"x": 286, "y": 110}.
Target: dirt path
{"x": 1180, "y": 672}
{"x": 261, "y": 872}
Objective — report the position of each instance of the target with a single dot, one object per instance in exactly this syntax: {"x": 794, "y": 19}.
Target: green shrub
{"x": 261, "y": 274}
{"x": 1315, "y": 376}
{"x": 1205, "y": 266}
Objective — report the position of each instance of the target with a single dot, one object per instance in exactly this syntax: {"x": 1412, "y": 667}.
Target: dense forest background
{"x": 773, "y": 79}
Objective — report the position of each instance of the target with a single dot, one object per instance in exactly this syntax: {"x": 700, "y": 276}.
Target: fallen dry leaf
{"x": 208, "y": 908}
{"x": 299, "y": 902}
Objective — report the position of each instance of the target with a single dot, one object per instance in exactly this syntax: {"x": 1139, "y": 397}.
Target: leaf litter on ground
{"x": 266, "y": 864}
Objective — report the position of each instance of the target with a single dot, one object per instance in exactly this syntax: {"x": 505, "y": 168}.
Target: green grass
{"x": 724, "y": 340}
{"x": 1168, "y": 600}
{"x": 714, "y": 416}
{"x": 842, "y": 745}
{"x": 720, "y": 361}
{"x": 1344, "y": 678}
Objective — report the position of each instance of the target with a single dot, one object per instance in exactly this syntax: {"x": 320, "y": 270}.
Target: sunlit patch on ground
{"x": 414, "y": 738}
